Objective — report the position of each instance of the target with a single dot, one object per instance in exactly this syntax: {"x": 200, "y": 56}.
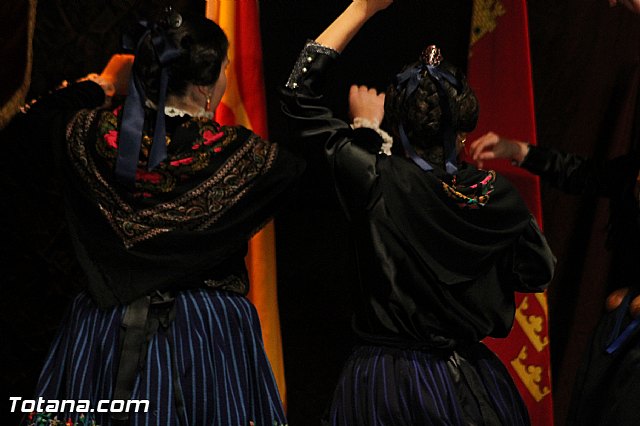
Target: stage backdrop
{"x": 244, "y": 104}
{"x": 500, "y": 73}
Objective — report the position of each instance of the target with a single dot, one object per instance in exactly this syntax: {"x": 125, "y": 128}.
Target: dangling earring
{"x": 464, "y": 147}
{"x": 207, "y": 94}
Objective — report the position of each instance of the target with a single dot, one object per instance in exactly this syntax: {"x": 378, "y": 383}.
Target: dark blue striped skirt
{"x": 385, "y": 386}
{"x": 223, "y": 373}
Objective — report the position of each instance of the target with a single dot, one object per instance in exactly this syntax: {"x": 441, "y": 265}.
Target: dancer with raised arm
{"x": 441, "y": 245}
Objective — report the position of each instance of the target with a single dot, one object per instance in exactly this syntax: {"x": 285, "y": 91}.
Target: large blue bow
{"x": 410, "y": 78}
{"x": 130, "y": 138}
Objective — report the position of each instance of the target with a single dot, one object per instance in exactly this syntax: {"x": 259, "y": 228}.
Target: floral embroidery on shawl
{"x": 195, "y": 209}
{"x": 211, "y": 139}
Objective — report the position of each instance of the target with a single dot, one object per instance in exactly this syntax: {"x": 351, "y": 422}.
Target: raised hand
{"x": 366, "y": 103}
{"x": 373, "y": 6}
{"x": 615, "y": 299}
{"x": 491, "y": 146}
{"x": 340, "y": 32}
{"x": 118, "y": 71}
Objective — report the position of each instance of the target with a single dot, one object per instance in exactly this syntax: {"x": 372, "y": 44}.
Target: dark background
{"x": 586, "y": 83}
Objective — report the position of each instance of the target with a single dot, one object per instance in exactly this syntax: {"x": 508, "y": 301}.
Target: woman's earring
{"x": 464, "y": 147}
{"x": 207, "y": 105}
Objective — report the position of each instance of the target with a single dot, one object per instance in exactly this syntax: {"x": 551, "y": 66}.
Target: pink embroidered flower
{"x": 111, "y": 138}
{"x": 195, "y": 146}
{"x": 182, "y": 162}
{"x": 217, "y": 149}
{"x": 146, "y": 176}
{"x": 210, "y": 137}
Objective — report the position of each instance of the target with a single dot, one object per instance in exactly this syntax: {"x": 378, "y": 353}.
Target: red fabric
{"x": 248, "y": 64}
{"x": 225, "y": 115}
{"x": 500, "y": 74}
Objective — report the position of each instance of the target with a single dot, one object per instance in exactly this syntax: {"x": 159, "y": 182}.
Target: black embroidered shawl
{"x": 186, "y": 223}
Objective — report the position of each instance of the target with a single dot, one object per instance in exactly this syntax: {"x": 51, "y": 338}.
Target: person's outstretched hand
{"x": 615, "y": 299}
{"x": 118, "y": 71}
{"x": 491, "y": 146}
{"x": 340, "y": 32}
{"x": 366, "y": 103}
{"x": 632, "y": 5}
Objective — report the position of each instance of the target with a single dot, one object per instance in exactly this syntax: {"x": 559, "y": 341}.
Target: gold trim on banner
{"x": 533, "y": 325}
{"x": 531, "y": 375}
{"x": 485, "y": 18}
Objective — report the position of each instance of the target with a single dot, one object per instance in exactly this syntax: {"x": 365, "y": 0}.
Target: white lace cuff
{"x": 387, "y": 140}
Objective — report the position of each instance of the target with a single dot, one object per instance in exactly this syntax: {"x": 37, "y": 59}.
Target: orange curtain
{"x": 500, "y": 74}
{"x": 244, "y": 104}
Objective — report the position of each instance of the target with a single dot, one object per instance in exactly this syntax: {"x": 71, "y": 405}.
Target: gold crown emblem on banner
{"x": 531, "y": 376}
{"x": 485, "y": 18}
{"x": 533, "y": 325}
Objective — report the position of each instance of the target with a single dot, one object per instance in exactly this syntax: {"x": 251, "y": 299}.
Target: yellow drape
{"x": 261, "y": 260}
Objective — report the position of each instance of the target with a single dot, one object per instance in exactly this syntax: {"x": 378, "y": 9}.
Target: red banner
{"x": 244, "y": 104}
{"x": 500, "y": 74}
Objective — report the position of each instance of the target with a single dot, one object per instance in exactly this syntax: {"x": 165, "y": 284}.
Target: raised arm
{"x": 341, "y": 31}
{"x": 568, "y": 172}
{"x": 314, "y": 123}
{"x": 308, "y": 73}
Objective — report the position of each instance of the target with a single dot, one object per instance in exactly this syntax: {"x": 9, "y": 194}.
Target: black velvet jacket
{"x": 186, "y": 223}
{"x": 432, "y": 273}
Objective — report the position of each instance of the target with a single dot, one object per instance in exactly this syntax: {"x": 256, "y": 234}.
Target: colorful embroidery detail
{"x": 196, "y": 209}
{"x": 480, "y": 192}
{"x": 211, "y": 140}
{"x": 46, "y": 419}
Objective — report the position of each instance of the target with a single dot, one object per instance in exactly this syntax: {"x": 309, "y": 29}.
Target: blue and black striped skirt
{"x": 223, "y": 374}
{"x": 385, "y": 386}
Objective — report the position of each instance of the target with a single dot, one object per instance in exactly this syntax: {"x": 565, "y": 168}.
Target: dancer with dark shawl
{"x": 441, "y": 245}
{"x": 161, "y": 202}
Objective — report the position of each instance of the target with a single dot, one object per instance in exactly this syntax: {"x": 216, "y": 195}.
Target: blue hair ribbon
{"x": 130, "y": 138}
{"x": 420, "y": 162}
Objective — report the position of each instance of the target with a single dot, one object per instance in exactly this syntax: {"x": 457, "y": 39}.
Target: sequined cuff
{"x": 309, "y": 55}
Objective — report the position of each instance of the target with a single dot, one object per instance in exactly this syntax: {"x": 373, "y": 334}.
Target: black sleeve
{"x": 351, "y": 154}
{"x": 64, "y": 102}
{"x": 574, "y": 174}
{"x": 531, "y": 261}
{"x": 303, "y": 102}
{"x": 41, "y": 130}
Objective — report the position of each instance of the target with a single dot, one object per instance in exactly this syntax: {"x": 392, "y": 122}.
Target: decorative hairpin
{"x": 172, "y": 18}
{"x": 431, "y": 56}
